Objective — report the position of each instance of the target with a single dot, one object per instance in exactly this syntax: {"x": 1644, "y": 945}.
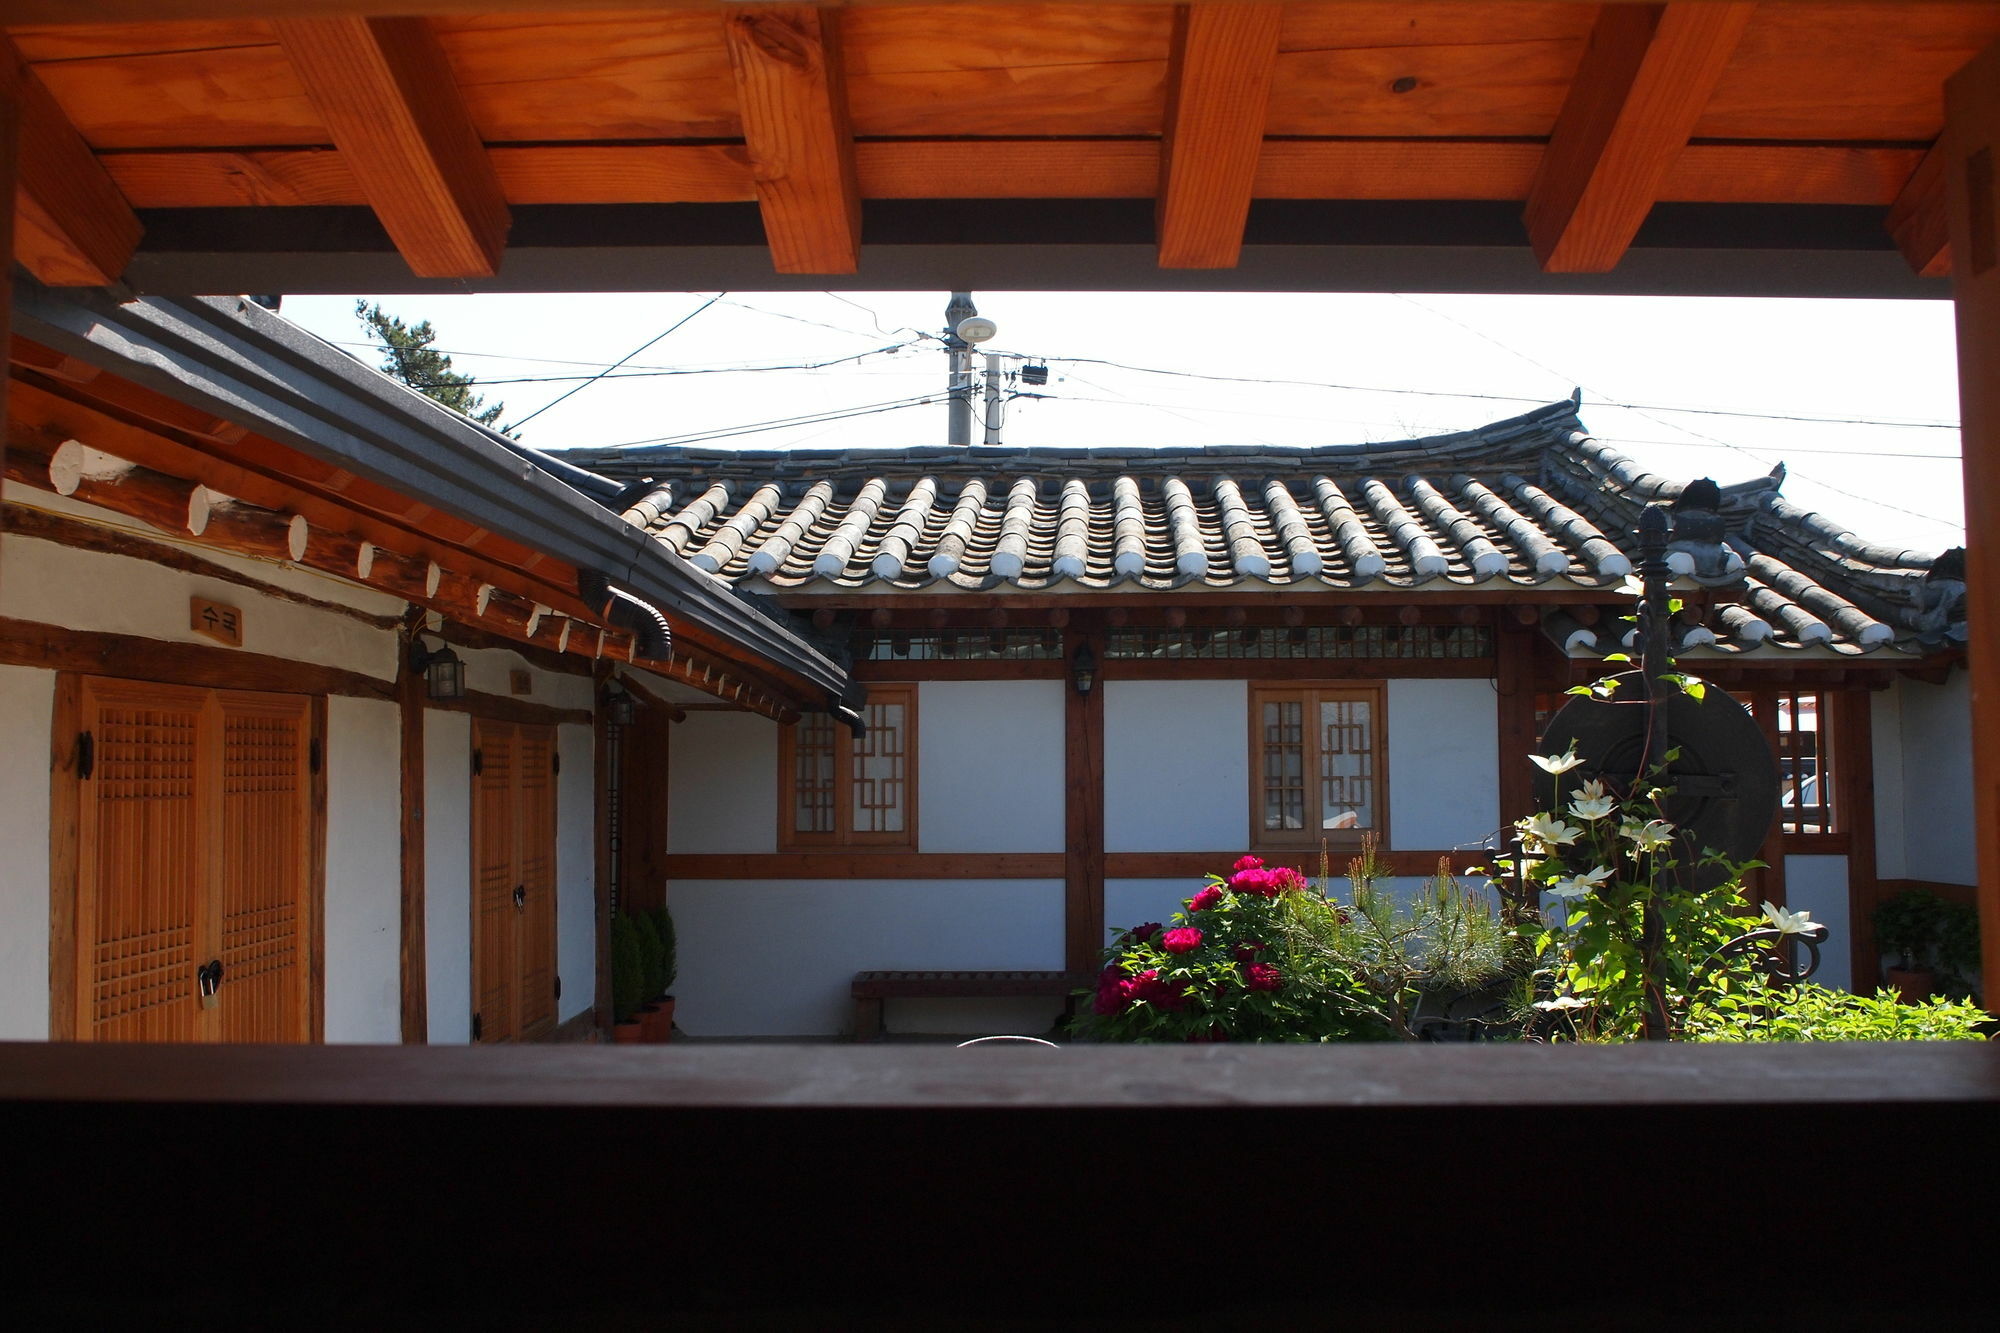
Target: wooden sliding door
{"x": 513, "y": 881}
{"x": 193, "y": 911}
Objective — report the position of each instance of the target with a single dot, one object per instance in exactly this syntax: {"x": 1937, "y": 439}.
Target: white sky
{"x": 1871, "y": 361}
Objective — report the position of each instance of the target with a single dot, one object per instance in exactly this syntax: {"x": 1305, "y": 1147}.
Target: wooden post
{"x": 1083, "y": 783}
{"x": 601, "y": 836}
{"x": 1514, "y": 682}
{"x": 10, "y": 124}
{"x": 1854, "y": 794}
{"x": 1972, "y": 146}
{"x": 410, "y": 692}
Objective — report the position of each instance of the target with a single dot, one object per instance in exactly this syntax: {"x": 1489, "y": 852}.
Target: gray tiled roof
{"x": 1529, "y": 502}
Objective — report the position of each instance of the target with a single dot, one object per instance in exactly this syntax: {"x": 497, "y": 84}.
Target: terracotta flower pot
{"x": 657, "y": 1022}
{"x": 628, "y": 1033}
{"x": 1912, "y": 985}
{"x": 666, "y": 1003}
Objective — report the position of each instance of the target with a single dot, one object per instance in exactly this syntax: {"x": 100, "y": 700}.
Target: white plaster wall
{"x": 576, "y": 871}
{"x": 990, "y": 766}
{"x": 722, "y": 787}
{"x": 1443, "y": 763}
{"x": 89, "y": 590}
{"x": 1885, "y": 708}
{"x": 1176, "y": 765}
{"x": 448, "y": 876}
{"x": 364, "y": 994}
{"x": 1937, "y": 780}
{"x": 1818, "y": 884}
{"x": 489, "y": 670}
{"x": 27, "y": 709}
{"x": 761, "y": 958}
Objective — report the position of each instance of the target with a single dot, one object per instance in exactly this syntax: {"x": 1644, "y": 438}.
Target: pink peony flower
{"x": 1262, "y": 976}
{"x": 1149, "y": 989}
{"x": 1111, "y": 997}
{"x": 1267, "y": 882}
{"x": 1248, "y": 950}
{"x": 1249, "y": 863}
{"x": 1186, "y": 939}
{"x": 1206, "y": 899}
{"x": 1143, "y": 934}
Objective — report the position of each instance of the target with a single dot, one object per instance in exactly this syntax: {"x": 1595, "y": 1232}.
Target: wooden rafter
{"x": 1917, "y": 219}
{"x": 386, "y": 92}
{"x": 1637, "y": 96}
{"x": 793, "y": 98}
{"x": 1218, "y": 90}
{"x": 73, "y": 227}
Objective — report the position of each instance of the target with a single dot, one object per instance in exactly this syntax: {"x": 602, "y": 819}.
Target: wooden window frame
{"x": 1338, "y": 841}
{"x": 843, "y": 835}
{"x": 1835, "y": 782}
{"x": 65, "y": 854}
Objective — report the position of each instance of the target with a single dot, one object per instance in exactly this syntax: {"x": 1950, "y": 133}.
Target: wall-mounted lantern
{"x": 1083, "y": 670}
{"x": 444, "y": 674}
{"x": 619, "y": 708}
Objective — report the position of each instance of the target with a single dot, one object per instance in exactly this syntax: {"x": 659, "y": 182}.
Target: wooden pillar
{"x": 410, "y": 694}
{"x": 1853, "y": 767}
{"x": 601, "y": 796}
{"x": 1972, "y": 162}
{"x": 10, "y": 124}
{"x": 1514, "y": 682}
{"x": 1083, "y": 785}
{"x": 1768, "y": 884}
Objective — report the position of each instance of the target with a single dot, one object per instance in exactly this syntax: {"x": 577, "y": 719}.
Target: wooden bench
{"x": 870, "y": 989}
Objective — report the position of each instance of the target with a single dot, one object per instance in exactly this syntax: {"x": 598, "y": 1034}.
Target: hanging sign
{"x": 222, "y": 623}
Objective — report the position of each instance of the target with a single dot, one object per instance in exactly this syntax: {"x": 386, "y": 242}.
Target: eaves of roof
{"x": 237, "y": 360}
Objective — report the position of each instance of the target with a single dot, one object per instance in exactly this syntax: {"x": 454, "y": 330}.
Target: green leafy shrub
{"x": 1958, "y": 949}
{"x": 652, "y": 958}
{"x": 1765, "y": 1011}
{"x": 628, "y": 969}
{"x": 1910, "y": 926}
{"x": 663, "y": 927}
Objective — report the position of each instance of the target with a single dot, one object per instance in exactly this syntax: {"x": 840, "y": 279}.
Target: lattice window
{"x": 1316, "y": 753}
{"x": 843, "y": 790}
{"x": 1805, "y": 763}
{"x": 1336, "y": 642}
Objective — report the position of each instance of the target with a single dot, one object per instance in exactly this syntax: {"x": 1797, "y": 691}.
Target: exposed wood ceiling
{"x": 849, "y": 130}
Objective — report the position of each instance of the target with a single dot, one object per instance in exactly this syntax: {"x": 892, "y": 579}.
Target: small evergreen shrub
{"x": 663, "y": 927}
{"x": 652, "y": 958}
{"x": 628, "y": 969}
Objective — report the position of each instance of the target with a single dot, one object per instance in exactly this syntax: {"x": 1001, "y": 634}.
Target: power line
{"x": 808, "y": 419}
{"x": 615, "y": 364}
{"x": 636, "y": 373}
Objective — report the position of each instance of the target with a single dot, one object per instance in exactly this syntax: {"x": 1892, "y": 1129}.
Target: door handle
{"x": 520, "y": 897}
{"x": 208, "y": 981}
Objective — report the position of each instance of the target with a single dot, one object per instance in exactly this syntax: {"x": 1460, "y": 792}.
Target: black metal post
{"x": 1655, "y": 529}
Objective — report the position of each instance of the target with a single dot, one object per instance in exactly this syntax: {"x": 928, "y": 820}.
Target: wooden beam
{"x": 1642, "y": 86}
{"x": 1218, "y": 90}
{"x": 73, "y": 227}
{"x": 130, "y": 657}
{"x": 1972, "y": 170}
{"x": 1917, "y": 219}
{"x": 410, "y": 695}
{"x": 386, "y": 92}
{"x": 792, "y": 93}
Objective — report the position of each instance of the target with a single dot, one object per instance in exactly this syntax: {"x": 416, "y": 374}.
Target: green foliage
{"x": 663, "y": 927}
{"x": 1767, "y": 1012}
{"x": 628, "y": 969}
{"x": 1958, "y": 947}
{"x": 652, "y": 958}
{"x": 1911, "y": 926}
{"x": 407, "y": 355}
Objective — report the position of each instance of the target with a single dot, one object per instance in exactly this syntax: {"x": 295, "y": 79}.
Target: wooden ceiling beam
{"x": 72, "y": 226}
{"x": 791, "y": 90}
{"x": 1642, "y": 86}
{"x": 1218, "y": 93}
{"x": 386, "y": 92}
{"x": 1917, "y": 219}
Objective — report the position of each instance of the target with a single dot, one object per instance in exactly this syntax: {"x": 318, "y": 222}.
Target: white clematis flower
{"x": 1557, "y": 764}
{"x": 1548, "y": 831}
{"x": 1576, "y": 886}
{"x": 1650, "y": 836}
{"x": 1560, "y": 1003}
{"x": 1790, "y": 923}
{"x": 1592, "y": 802}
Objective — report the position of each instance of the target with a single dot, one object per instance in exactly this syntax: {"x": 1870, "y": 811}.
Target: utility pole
{"x": 960, "y": 404}
{"x": 996, "y": 405}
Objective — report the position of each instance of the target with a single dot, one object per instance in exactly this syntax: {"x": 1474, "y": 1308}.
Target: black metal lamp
{"x": 619, "y": 710}
{"x": 1083, "y": 670}
{"x": 444, "y": 674}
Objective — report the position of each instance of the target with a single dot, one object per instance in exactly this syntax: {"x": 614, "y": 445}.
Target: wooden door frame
{"x": 479, "y": 721}
{"x": 65, "y": 854}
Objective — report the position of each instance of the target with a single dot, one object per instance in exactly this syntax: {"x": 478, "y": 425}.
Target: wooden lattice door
{"x": 193, "y": 908}
{"x": 514, "y": 881}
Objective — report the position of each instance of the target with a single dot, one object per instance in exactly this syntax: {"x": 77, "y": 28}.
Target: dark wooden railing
{"x": 930, "y": 1185}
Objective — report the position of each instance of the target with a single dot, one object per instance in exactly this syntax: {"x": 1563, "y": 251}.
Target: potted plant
{"x": 663, "y": 928}
{"x": 653, "y": 1020}
{"x": 1958, "y": 950}
{"x": 627, "y": 980}
{"x": 1910, "y": 926}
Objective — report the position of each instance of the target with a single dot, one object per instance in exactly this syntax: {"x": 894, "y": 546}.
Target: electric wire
{"x": 516, "y": 425}
{"x": 806, "y": 419}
